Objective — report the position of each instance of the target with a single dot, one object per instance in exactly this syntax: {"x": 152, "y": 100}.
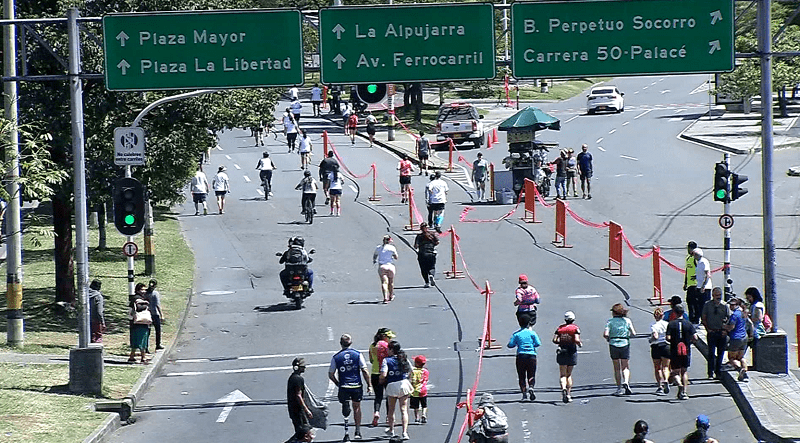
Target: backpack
{"x": 295, "y": 256}
{"x": 494, "y": 420}
{"x": 683, "y": 351}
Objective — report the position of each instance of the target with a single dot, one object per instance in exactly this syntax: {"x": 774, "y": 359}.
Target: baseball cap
{"x": 675, "y": 299}
{"x": 569, "y": 315}
{"x": 523, "y": 278}
{"x": 703, "y": 421}
{"x": 420, "y": 360}
{"x": 299, "y": 361}
{"x": 222, "y": 168}
{"x": 698, "y": 252}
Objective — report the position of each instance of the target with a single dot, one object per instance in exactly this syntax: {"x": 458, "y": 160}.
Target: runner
{"x": 423, "y": 148}
{"x": 526, "y": 300}
{"x": 406, "y": 168}
{"x": 618, "y": 332}
{"x": 526, "y": 341}
{"x": 316, "y": 99}
{"x": 568, "y": 339}
{"x": 378, "y": 350}
{"x": 480, "y": 172}
{"x": 346, "y": 369}
{"x": 372, "y": 123}
{"x": 352, "y": 126}
{"x": 659, "y": 351}
{"x": 305, "y": 150}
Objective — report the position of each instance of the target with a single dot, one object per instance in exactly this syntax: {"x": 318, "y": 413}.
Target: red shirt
{"x": 405, "y": 167}
{"x": 566, "y": 334}
{"x": 352, "y": 121}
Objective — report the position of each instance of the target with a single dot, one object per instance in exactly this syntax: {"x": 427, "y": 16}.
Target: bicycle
{"x": 308, "y": 208}
{"x": 267, "y": 188}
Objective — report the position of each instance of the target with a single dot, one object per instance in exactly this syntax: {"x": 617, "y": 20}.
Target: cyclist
{"x": 265, "y": 167}
{"x": 309, "y": 187}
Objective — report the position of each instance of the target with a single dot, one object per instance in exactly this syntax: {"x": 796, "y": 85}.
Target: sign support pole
{"x": 726, "y": 241}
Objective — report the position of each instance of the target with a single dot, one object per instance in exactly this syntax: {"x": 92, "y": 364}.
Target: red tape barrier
{"x": 341, "y": 163}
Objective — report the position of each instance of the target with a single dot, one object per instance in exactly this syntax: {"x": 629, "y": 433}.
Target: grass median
{"x": 35, "y": 404}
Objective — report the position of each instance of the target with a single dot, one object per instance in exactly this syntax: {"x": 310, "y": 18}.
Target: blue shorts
{"x": 354, "y": 394}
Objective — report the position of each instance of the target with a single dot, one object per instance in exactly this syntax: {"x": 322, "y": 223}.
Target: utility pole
{"x": 390, "y": 131}
{"x": 765, "y": 53}
{"x": 85, "y": 361}
{"x": 726, "y": 245}
{"x": 15, "y": 331}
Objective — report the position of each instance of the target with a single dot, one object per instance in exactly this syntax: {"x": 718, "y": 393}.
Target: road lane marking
{"x": 573, "y": 118}
{"x": 625, "y": 124}
{"x": 329, "y": 392}
{"x": 629, "y": 157}
{"x": 597, "y": 142}
{"x": 330, "y": 333}
{"x": 260, "y": 192}
{"x": 227, "y": 156}
{"x": 219, "y": 148}
{"x": 612, "y": 131}
{"x": 620, "y": 175}
{"x": 236, "y": 166}
{"x": 354, "y": 189}
{"x": 266, "y": 356}
{"x": 230, "y": 400}
{"x": 676, "y": 119}
{"x": 585, "y": 296}
{"x": 246, "y": 178}
{"x": 643, "y": 113}
{"x": 665, "y": 91}
{"x": 678, "y": 111}
{"x": 601, "y": 148}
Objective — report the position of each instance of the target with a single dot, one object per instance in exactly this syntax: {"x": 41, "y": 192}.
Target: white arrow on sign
{"x": 230, "y": 400}
{"x": 715, "y": 46}
{"x": 338, "y": 29}
{"x": 123, "y": 65}
{"x": 716, "y": 16}
{"x": 339, "y": 59}
{"x": 122, "y": 37}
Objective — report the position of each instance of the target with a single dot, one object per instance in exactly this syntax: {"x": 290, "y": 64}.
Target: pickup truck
{"x": 460, "y": 122}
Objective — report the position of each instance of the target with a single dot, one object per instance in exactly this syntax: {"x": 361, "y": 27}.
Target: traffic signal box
{"x": 372, "y": 92}
{"x": 129, "y": 206}
{"x": 721, "y": 189}
{"x": 736, "y": 186}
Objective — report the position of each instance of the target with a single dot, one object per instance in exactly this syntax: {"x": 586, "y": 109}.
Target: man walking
{"x": 316, "y": 99}
{"x": 704, "y": 284}
{"x": 423, "y": 148}
{"x": 297, "y": 108}
{"x": 585, "y": 171}
{"x": 346, "y": 369}
{"x": 154, "y": 299}
{"x": 200, "y": 191}
{"x": 97, "y": 318}
{"x": 298, "y": 410}
{"x": 436, "y": 196}
{"x": 480, "y": 172}
{"x": 690, "y": 281}
{"x": 715, "y": 316}
{"x": 680, "y": 336}
{"x": 737, "y": 330}
{"x": 222, "y": 187}
{"x": 328, "y": 169}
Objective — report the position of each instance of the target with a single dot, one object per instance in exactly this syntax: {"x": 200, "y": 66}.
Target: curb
{"x": 112, "y": 421}
{"x": 709, "y": 144}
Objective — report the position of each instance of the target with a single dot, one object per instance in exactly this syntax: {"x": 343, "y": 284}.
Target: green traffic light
{"x": 130, "y": 219}
{"x": 721, "y": 193}
{"x": 372, "y": 89}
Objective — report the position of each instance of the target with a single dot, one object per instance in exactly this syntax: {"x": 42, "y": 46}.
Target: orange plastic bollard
{"x": 494, "y": 136}
{"x": 453, "y": 272}
{"x": 488, "y": 141}
{"x": 375, "y": 197}
{"x": 797, "y": 331}
{"x": 325, "y": 143}
{"x": 658, "y": 298}
{"x": 530, "y": 202}
{"x": 487, "y": 341}
{"x": 561, "y": 225}
{"x": 411, "y": 226}
{"x": 451, "y": 147}
{"x": 491, "y": 182}
{"x": 615, "y": 250}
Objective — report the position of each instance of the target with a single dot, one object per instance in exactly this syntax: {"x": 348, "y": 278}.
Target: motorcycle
{"x": 298, "y": 289}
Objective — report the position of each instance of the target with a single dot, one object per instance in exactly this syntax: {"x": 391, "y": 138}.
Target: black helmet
{"x": 307, "y": 173}
{"x": 298, "y": 241}
{"x": 266, "y": 154}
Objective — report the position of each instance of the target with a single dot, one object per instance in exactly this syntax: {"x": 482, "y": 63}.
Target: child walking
{"x": 419, "y": 381}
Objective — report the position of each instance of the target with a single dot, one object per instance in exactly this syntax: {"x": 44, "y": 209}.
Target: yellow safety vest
{"x": 691, "y": 275}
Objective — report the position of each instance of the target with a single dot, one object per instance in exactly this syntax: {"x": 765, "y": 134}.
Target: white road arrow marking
{"x": 338, "y": 29}
{"x": 339, "y": 59}
{"x": 716, "y": 16}
{"x": 230, "y": 400}
{"x": 122, "y": 37}
{"x": 665, "y": 91}
{"x": 123, "y": 65}
{"x": 715, "y": 46}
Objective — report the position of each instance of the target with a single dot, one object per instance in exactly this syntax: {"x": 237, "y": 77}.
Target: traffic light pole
{"x": 726, "y": 241}
{"x": 129, "y": 239}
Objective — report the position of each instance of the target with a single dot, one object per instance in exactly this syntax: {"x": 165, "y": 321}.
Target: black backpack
{"x": 295, "y": 256}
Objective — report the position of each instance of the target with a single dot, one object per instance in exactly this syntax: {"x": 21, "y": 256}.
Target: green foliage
{"x": 744, "y": 81}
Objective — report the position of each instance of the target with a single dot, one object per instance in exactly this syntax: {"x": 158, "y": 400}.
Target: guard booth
{"x": 527, "y": 155}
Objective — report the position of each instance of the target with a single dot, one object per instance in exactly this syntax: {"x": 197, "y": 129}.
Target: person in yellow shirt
{"x": 690, "y": 284}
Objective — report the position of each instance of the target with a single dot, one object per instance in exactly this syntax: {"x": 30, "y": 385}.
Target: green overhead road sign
{"x": 407, "y": 43}
{"x": 589, "y": 38}
{"x": 208, "y": 49}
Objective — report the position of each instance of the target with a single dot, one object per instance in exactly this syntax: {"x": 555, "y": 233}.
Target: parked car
{"x": 460, "y": 122}
{"x": 605, "y": 98}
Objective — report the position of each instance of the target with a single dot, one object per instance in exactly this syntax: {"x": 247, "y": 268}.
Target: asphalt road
{"x": 241, "y": 334}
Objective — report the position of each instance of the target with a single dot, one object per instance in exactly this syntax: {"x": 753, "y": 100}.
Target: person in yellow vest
{"x": 690, "y": 283}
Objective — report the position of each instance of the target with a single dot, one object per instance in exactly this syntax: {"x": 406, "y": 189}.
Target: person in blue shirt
{"x": 526, "y": 341}
{"x": 737, "y": 333}
{"x": 346, "y": 369}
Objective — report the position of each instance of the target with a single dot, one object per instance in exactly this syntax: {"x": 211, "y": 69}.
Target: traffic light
{"x": 372, "y": 92}
{"x": 721, "y": 189}
{"x": 128, "y": 206}
{"x": 736, "y": 186}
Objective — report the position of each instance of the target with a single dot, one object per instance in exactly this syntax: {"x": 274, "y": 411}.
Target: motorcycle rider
{"x": 296, "y": 255}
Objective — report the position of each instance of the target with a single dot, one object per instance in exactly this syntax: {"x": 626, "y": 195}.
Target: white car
{"x": 605, "y": 98}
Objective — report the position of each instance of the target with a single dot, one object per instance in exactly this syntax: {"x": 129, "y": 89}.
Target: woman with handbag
{"x": 140, "y": 321}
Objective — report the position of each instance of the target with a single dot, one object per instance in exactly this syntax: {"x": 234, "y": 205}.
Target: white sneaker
{"x": 405, "y": 436}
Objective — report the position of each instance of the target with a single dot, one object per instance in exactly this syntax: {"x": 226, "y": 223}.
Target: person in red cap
{"x": 526, "y": 300}
{"x": 419, "y": 381}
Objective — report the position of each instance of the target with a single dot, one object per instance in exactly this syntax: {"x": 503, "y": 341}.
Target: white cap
{"x": 698, "y": 252}
{"x": 569, "y": 315}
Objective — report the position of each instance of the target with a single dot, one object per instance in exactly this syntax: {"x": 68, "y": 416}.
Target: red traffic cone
{"x": 494, "y": 135}
{"x": 488, "y": 141}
